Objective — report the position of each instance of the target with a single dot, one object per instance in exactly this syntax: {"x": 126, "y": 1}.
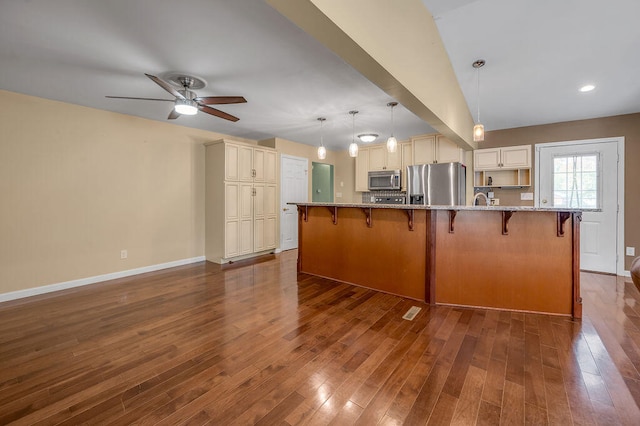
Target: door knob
{"x": 544, "y": 201}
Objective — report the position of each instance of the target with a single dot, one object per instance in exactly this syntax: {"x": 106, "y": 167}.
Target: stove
{"x": 395, "y": 199}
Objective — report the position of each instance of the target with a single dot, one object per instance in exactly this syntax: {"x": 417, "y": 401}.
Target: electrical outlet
{"x": 490, "y": 194}
{"x": 123, "y": 254}
{"x": 495, "y": 201}
{"x": 631, "y": 251}
{"x": 526, "y": 196}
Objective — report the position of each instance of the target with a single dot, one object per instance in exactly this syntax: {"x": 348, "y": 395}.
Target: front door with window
{"x": 584, "y": 176}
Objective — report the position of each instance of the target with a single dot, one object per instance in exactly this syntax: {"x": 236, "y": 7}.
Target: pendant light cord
{"x": 478, "y": 95}
{"x": 392, "y": 119}
{"x": 353, "y": 126}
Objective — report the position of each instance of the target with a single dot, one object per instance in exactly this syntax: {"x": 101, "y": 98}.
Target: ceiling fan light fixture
{"x": 186, "y": 107}
{"x": 367, "y": 137}
{"x": 587, "y": 88}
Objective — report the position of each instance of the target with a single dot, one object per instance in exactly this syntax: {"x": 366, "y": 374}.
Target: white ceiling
{"x": 538, "y": 53}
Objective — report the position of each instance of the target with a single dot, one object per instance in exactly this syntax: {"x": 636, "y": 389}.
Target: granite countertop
{"x": 459, "y": 207}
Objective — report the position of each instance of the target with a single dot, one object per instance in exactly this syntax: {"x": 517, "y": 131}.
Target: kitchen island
{"x": 514, "y": 258}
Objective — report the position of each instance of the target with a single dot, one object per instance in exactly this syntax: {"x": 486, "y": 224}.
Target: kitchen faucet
{"x": 475, "y": 198}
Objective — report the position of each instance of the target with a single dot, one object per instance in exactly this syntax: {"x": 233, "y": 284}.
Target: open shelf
{"x": 503, "y": 178}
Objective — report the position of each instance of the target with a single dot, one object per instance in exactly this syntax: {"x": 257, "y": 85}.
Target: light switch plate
{"x": 631, "y": 251}
{"x": 526, "y": 196}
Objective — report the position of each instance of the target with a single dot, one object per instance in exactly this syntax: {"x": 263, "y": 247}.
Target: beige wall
{"x": 77, "y": 185}
{"x": 622, "y": 125}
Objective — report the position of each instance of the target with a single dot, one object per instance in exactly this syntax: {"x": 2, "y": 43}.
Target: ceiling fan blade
{"x": 173, "y": 114}
{"x": 217, "y": 113}
{"x": 219, "y": 100}
{"x": 166, "y": 86}
{"x": 140, "y": 99}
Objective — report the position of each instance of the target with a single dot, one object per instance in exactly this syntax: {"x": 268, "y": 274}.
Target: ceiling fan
{"x": 186, "y": 101}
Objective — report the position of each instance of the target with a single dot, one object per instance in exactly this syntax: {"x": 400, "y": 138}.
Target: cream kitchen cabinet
{"x": 511, "y": 157}
{"x": 429, "y": 149}
{"x": 248, "y": 163}
{"x": 502, "y": 167}
{"x": 375, "y": 157}
{"x": 240, "y": 201}
{"x": 264, "y": 217}
{"x": 406, "y": 152}
{"x": 362, "y": 170}
{"x": 381, "y": 159}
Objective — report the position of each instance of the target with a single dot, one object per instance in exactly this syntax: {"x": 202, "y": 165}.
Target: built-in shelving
{"x": 508, "y": 167}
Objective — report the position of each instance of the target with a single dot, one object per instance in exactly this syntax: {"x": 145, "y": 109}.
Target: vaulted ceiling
{"x": 538, "y": 54}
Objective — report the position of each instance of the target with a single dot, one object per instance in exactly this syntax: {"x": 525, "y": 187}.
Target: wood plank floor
{"x": 258, "y": 345}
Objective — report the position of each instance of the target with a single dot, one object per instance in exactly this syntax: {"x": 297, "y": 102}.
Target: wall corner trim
{"x": 19, "y": 294}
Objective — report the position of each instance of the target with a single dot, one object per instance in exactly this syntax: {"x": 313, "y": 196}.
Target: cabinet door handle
{"x": 285, "y": 209}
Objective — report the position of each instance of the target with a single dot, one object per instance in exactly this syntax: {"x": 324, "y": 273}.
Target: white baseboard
{"x": 627, "y": 273}
{"x": 19, "y": 294}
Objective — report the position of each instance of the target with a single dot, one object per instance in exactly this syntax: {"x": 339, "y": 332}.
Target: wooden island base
{"x": 520, "y": 259}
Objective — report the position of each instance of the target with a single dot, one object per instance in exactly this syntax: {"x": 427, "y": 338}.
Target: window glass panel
{"x": 589, "y": 164}
{"x": 559, "y": 164}
{"x": 560, "y": 181}
{"x": 575, "y": 181}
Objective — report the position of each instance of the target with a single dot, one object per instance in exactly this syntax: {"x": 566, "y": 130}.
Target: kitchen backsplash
{"x": 367, "y": 197}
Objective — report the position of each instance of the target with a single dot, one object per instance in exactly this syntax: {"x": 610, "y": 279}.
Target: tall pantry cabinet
{"x": 240, "y": 201}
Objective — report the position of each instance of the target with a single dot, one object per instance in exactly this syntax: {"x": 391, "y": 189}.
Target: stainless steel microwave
{"x": 384, "y": 180}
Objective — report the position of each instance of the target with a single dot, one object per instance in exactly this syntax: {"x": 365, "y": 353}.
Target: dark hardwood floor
{"x": 256, "y": 344}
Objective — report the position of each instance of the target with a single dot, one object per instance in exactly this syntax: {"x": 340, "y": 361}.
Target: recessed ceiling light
{"x": 587, "y": 88}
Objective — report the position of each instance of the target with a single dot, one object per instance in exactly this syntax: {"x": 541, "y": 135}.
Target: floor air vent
{"x": 411, "y": 313}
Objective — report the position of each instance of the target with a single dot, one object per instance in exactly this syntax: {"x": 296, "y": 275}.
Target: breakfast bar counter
{"x": 514, "y": 258}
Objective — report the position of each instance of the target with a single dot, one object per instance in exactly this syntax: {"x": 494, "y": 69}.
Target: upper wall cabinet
{"x": 508, "y": 157}
{"x": 502, "y": 167}
{"x": 376, "y": 157}
{"x": 381, "y": 159}
{"x": 249, "y": 164}
{"x": 362, "y": 170}
{"x": 424, "y": 149}
{"x": 430, "y": 149}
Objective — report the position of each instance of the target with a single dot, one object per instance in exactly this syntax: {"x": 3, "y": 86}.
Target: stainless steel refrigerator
{"x": 441, "y": 184}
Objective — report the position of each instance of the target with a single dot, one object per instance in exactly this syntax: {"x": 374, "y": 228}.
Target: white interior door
{"x": 584, "y": 175}
{"x": 294, "y": 188}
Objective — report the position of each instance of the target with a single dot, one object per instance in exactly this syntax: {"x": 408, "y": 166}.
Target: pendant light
{"x": 322, "y": 151}
{"x": 392, "y": 142}
{"x": 478, "y": 129}
{"x": 353, "y": 148}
